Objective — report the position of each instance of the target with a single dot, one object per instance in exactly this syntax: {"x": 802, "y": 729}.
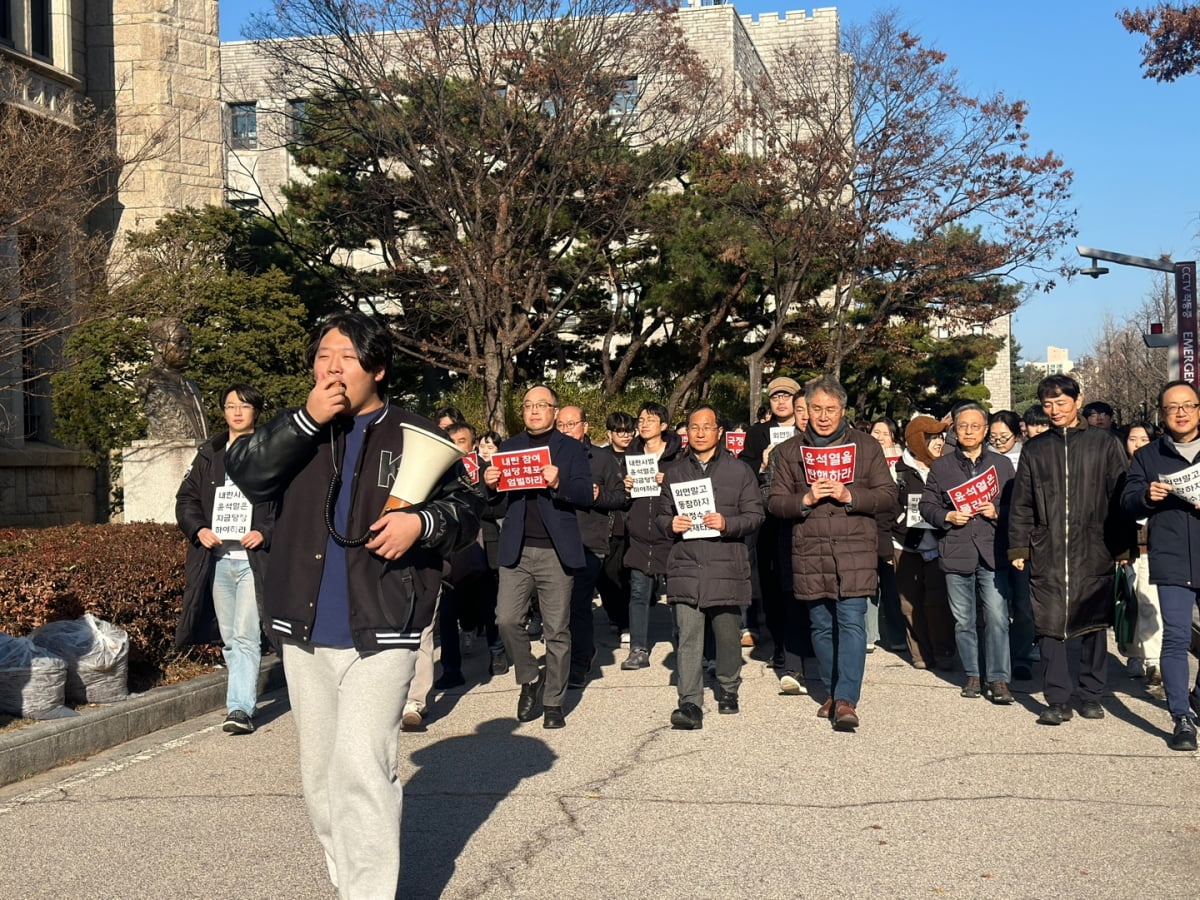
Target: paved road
{"x": 934, "y": 796}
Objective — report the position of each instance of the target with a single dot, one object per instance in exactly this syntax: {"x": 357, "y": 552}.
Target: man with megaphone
{"x": 351, "y": 587}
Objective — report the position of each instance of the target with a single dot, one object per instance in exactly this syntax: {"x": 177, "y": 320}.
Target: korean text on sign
{"x": 521, "y": 470}
{"x": 735, "y": 442}
{"x": 643, "y": 469}
{"x": 971, "y": 495}
{"x": 830, "y": 463}
{"x": 695, "y": 499}
{"x": 231, "y": 513}
{"x": 471, "y": 464}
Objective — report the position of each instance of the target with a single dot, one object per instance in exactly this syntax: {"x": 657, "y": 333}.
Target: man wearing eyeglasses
{"x": 972, "y": 539}
{"x": 1174, "y": 546}
{"x": 835, "y": 541}
{"x": 708, "y": 573}
{"x": 595, "y": 525}
{"x": 1066, "y": 528}
{"x": 540, "y": 550}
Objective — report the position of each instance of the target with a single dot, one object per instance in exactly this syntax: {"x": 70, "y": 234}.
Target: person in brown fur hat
{"x": 923, "y": 601}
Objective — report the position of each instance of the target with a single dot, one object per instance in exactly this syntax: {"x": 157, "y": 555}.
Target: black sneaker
{"x": 1056, "y": 714}
{"x": 688, "y": 717}
{"x": 1184, "y": 737}
{"x": 237, "y": 722}
{"x": 1092, "y": 709}
{"x": 972, "y": 690}
{"x": 1194, "y": 701}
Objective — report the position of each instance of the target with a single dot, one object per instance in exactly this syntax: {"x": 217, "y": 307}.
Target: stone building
{"x": 154, "y": 65}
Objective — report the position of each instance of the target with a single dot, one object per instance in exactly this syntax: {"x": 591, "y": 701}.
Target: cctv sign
{"x": 1185, "y": 302}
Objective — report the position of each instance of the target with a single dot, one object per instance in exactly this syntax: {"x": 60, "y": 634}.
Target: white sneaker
{"x": 413, "y": 715}
{"x": 624, "y": 638}
{"x": 1135, "y": 668}
{"x": 793, "y": 683}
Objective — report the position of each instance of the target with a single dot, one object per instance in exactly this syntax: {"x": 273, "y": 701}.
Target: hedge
{"x": 130, "y": 575}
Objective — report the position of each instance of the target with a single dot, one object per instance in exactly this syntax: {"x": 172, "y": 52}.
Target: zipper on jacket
{"x": 1067, "y": 535}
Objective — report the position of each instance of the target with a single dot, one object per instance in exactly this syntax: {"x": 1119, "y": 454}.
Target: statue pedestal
{"x": 152, "y": 472}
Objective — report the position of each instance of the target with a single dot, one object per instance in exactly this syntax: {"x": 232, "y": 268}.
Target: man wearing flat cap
{"x": 773, "y": 604}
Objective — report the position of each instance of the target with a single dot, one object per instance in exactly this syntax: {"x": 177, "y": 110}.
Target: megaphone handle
{"x": 394, "y": 504}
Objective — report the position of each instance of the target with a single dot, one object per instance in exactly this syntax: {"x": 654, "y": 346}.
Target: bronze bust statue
{"x": 174, "y": 410}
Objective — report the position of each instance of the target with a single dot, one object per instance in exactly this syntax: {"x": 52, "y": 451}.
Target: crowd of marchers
{"x": 976, "y": 544}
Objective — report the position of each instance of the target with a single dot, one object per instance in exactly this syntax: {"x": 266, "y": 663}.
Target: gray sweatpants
{"x": 347, "y": 707}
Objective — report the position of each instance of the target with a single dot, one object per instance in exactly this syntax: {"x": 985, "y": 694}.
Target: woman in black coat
{"x": 226, "y": 561}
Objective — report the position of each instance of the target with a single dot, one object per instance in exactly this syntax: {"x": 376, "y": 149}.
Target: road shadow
{"x": 456, "y": 788}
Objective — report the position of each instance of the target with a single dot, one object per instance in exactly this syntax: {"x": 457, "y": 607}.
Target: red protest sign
{"x": 830, "y": 463}
{"x": 521, "y": 469}
{"x": 471, "y": 464}
{"x": 735, "y": 442}
{"x": 970, "y": 495}
{"x": 892, "y": 455}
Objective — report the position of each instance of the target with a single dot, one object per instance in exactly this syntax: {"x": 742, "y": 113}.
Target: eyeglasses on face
{"x": 820, "y": 411}
{"x": 969, "y": 427}
{"x": 703, "y": 429}
{"x": 538, "y": 405}
{"x": 574, "y": 424}
{"x": 238, "y": 407}
{"x": 649, "y": 420}
{"x": 1002, "y": 438}
{"x": 1171, "y": 408}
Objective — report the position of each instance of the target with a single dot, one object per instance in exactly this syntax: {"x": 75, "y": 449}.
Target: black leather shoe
{"x": 688, "y": 717}
{"x": 1092, "y": 709}
{"x": 499, "y": 663}
{"x": 727, "y": 703}
{"x": 529, "y": 706}
{"x": 554, "y": 718}
{"x": 1055, "y": 714}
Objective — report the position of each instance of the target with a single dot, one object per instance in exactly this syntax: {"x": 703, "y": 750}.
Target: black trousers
{"x": 1093, "y": 667}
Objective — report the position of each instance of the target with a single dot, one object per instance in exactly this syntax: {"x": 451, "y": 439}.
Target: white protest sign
{"x": 1185, "y": 483}
{"x": 695, "y": 499}
{"x": 781, "y": 433}
{"x": 912, "y": 515}
{"x": 643, "y": 469}
{"x": 231, "y": 513}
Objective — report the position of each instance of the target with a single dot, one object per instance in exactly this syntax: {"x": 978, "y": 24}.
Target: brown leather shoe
{"x": 844, "y": 716}
{"x": 826, "y": 709}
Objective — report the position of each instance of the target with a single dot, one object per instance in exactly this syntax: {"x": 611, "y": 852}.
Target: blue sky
{"x": 1129, "y": 141}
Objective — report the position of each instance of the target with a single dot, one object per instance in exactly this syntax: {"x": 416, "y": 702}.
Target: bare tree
{"x": 902, "y": 180}
{"x": 1121, "y": 370}
{"x": 492, "y": 153}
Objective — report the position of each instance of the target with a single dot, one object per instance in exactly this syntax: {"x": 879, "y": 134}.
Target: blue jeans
{"x": 641, "y": 597}
{"x": 991, "y": 586}
{"x": 1176, "y": 604}
{"x": 237, "y": 617}
{"x": 840, "y": 642}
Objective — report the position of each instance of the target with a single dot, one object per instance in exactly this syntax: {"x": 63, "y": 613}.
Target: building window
{"x": 243, "y": 125}
{"x": 297, "y": 114}
{"x": 625, "y": 98}
{"x": 6, "y": 22}
{"x": 40, "y": 38}
{"x": 245, "y": 204}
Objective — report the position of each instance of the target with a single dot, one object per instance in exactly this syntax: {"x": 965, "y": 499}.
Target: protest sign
{"x": 781, "y": 433}
{"x": 830, "y": 463}
{"x": 695, "y": 499}
{"x": 643, "y": 469}
{"x": 471, "y": 464}
{"x": 1185, "y": 483}
{"x": 735, "y": 442}
{"x": 969, "y": 496}
{"x": 521, "y": 469}
{"x": 231, "y": 513}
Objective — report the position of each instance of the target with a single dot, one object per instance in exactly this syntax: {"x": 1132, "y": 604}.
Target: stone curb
{"x": 45, "y": 745}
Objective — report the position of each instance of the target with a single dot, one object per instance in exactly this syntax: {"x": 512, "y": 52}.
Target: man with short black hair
{"x": 1065, "y": 525}
{"x": 1175, "y": 548}
{"x": 350, "y": 588}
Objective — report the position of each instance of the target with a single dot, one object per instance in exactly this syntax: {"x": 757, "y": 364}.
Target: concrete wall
{"x": 46, "y": 486}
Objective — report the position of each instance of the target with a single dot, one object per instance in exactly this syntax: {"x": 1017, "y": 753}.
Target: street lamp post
{"x": 1181, "y": 346}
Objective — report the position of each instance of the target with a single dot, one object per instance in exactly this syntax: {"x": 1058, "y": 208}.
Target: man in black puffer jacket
{"x": 709, "y": 577}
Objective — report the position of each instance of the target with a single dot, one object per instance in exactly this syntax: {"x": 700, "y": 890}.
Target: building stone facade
{"x": 155, "y": 66}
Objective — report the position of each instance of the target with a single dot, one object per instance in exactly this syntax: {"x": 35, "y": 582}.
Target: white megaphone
{"x": 425, "y": 458}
